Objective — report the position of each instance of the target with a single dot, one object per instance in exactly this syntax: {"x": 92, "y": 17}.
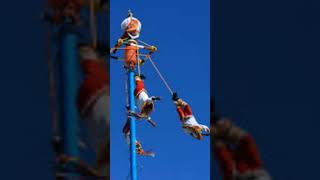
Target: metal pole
{"x": 133, "y": 154}
{"x": 69, "y": 81}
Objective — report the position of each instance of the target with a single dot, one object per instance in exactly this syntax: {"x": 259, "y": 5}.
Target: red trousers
{"x": 139, "y": 87}
{"x": 96, "y": 78}
{"x": 184, "y": 111}
{"x": 243, "y": 158}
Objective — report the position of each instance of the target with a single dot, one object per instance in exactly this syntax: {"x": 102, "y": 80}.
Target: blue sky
{"x": 181, "y": 31}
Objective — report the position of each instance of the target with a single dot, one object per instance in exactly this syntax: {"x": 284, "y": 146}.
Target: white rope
{"x": 93, "y": 25}
{"x": 138, "y": 58}
{"x": 126, "y": 88}
{"x": 144, "y": 43}
{"x": 159, "y": 73}
{"x": 52, "y": 85}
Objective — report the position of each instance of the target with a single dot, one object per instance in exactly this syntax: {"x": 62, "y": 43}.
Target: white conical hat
{"x": 127, "y": 21}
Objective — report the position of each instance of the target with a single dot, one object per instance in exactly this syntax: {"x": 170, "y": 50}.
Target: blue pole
{"x": 69, "y": 81}
{"x": 133, "y": 154}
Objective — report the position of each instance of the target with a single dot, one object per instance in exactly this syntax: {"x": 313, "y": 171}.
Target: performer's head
{"x": 132, "y": 26}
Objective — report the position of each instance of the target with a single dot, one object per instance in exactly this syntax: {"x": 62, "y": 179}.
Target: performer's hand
{"x": 113, "y": 50}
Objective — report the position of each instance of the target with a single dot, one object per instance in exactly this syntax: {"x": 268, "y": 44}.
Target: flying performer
{"x": 70, "y": 9}
{"x": 64, "y": 9}
{"x": 189, "y": 122}
{"x": 139, "y": 148}
{"x": 144, "y": 103}
{"x": 94, "y": 103}
{"x": 236, "y": 150}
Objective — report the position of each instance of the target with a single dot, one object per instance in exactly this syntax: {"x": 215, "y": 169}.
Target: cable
{"x": 93, "y": 25}
{"x": 138, "y": 59}
{"x": 162, "y": 78}
{"x": 52, "y": 87}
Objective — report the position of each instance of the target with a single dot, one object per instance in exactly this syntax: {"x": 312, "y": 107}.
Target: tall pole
{"x": 133, "y": 154}
{"x": 69, "y": 86}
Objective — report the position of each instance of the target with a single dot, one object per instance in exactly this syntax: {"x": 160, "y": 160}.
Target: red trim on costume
{"x": 180, "y": 112}
{"x": 226, "y": 161}
{"x": 95, "y": 80}
{"x": 139, "y": 87}
{"x": 245, "y": 157}
{"x": 130, "y": 56}
{"x": 184, "y": 111}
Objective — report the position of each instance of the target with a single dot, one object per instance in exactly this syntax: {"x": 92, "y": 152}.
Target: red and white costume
{"x": 66, "y": 8}
{"x": 188, "y": 120}
{"x": 241, "y": 163}
{"x": 94, "y": 99}
{"x": 139, "y": 148}
{"x": 141, "y": 95}
{"x": 131, "y": 27}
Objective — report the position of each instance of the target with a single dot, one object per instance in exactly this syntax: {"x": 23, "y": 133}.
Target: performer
{"x": 189, "y": 122}
{"x": 131, "y": 28}
{"x": 94, "y": 104}
{"x": 64, "y": 9}
{"x": 144, "y": 103}
{"x": 237, "y": 153}
{"x": 139, "y": 148}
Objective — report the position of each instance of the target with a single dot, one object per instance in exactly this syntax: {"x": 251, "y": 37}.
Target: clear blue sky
{"x": 181, "y": 31}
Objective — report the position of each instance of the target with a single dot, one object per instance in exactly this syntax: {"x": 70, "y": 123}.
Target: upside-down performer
{"x": 131, "y": 28}
{"x": 94, "y": 102}
{"x": 139, "y": 148}
{"x": 64, "y": 9}
{"x": 237, "y": 153}
{"x": 70, "y": 9}
{"x": 144, "y": 103}
{"x": 189, "y": 122}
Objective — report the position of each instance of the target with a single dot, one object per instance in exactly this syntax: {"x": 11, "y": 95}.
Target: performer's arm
{"x": 119, "y": 43}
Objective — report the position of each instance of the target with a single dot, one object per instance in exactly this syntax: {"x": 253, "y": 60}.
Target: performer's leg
{"x": 139, "y": 86}
{"x": 180, "y": 112}
{"x": 247, "y": 155}
{"x": 187, "y": 110}
{"x": 225, "y": 159}
{"x": 98, "y": 126}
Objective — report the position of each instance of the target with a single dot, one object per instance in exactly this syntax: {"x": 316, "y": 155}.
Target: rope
{"x": 121, "y": 48}
{"x": 126, "y": 88}
{"x": 138, "y": 59}
{"x": 93, "y": 27}
{"x": 144, "y": 43}
{"x": 159, "y": 73}
{"x": 52, "y": 87}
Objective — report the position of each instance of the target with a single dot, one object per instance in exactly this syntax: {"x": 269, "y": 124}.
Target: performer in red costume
{"x": 144, "y": 103}
{"x": 189, "y": 122}
{"x": 94, "y": 104}
{"x": 237, "y": 153}
{"x": 139, "y": 148}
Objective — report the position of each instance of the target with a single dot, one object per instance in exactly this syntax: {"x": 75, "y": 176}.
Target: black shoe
{"x": 155, "y": 98}
{"x": 142, "y": 77}
{"x": 142, "y": 62}
{"x": 175, "y": 96}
